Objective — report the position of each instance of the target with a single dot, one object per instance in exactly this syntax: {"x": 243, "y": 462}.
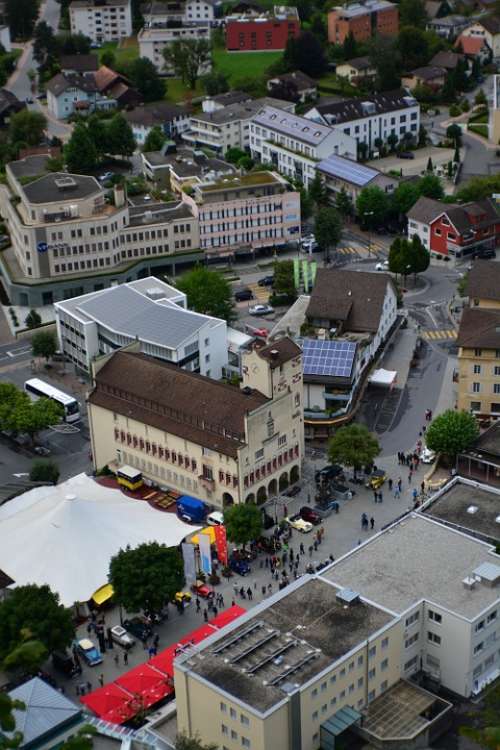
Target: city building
{"x": 455, "y": 230}
{"x": 371, "y": 120}
{"x": 158, "y": 14}
{"x": 220, "y": 443}
{"x": 267, "y": 31}
{"x": 363, "y": 20}
{"x": 148, "y": 311}
{"x": 245, "y": 213}
{"x": 153, "y": 40}
{"x": 474, "y": 46}
{"x": 483, "y": 285}
{"x": 183, "y": 168}
{"x": 171, "y": 118}
{"x": 66, "y": 239}
{"x": 448, "y": 27}
{"x": 297, "y": 86}
{"x": 341, "y": 174}
{"x": 481, "y": 462}
{"x": 293, "y": 144}
{"x": 116, "y": 86}
{"x": 428, "y": 75}
{"x": 487, "y": 28}
{"x": 74, "y": 94}
{"x": 227, "y": 127}
{"x": 101, "y": 20}
{"x": 447, "y": 59}
{"x": 356, "y": 70}
{"x": 228, "y": 98}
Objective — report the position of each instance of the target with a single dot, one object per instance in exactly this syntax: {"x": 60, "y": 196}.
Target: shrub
{"x": 33, "y": 319}
{"x": 44, "y": 471}
{"x": 454, "y": 110}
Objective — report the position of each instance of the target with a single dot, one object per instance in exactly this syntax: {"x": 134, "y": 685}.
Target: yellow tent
{"x": 103, "y": 594}
{"x": 209, "y": 531}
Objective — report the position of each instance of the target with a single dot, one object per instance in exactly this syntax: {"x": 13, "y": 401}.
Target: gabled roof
{"x": 287, "y": 123}
{"x": 60, "y": 83}
{"x": 279, "y": 352}
{"x": 300, "y": 79}
{"x": 359, "y": 63}
{"x": 8, "y": 101}
{"x": 105, "y": 77}
{"x": 347, "y": 170}
{"x": 490, "y": 23}
{"x": 483, "y": 281}
{"x": 46, "y": 710}
{"x": 355, "y": 109}
{"x": 471, "y": 45}
{"x": 446, "y": 59}
{"x": 479, "y": 328}
{"x": 158, "y": 113}
{"x": 425, "y": 210}
{"x": 427, "y": 73}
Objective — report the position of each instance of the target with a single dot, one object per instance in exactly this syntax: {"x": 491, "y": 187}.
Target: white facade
{"x": 152, "y": 42}
{"x": 64, "y": 105}
{"x": 5, "y": 40}
{"x": 148, "y": 311}
{"x": 108, "y": 22}
{"x": 294, "y": 145}
{"x": 173, "y": 128}
{"x": 192, "y": 11}
{"x": 421, "y": 230}
{"x": 492, "y": 39}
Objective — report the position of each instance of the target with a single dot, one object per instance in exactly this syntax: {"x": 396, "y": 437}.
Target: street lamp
{"x": 369, "y": 213}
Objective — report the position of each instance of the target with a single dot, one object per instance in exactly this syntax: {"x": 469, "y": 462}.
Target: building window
{"x": 245, "y": 742}
{"x": 372, "y": 673}
{"x": 433, "y": 638}
{"x": 323, "y": 687}
{"x": 492, "y": 616}
{"x": 225, "y": 729}
{"x": 478, "y": 648}
{"x": 410, "y": 641}
{"x": 371, "y": 695}
{"x": 384, "y": 664}
{"x": 496, "y": 388}
{"x": 434, "y": 616}
{"x": 360, "y": 660}
{"x": 232, "y": 713}
{"x": 234, "y": 735}
{"x": 360, "y": 682}
{"x": 477, "y": 369}
{"x": 385, "y": 643}
{"x": 476, "y": 387}
{"x": 372, "y": 652}
{"x": 410, "y": 664}
{"x": 244, "y": 720}
{"x": 478, "y": 352}
{"x": 383, "y": 686}
{"x": 315, "y": 716}
{"x": 314, "y": 693}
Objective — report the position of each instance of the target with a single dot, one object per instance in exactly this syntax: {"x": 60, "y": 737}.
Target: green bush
{"x": 44, "y": 471}
{"x": 454, "y": 110}
{"x": 33, "y": 319}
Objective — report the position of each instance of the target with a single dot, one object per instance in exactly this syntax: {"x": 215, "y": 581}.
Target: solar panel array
{"x": 299, "y": 127}
{"x": 345, "y": 169}
{"x": 332, "y": 358}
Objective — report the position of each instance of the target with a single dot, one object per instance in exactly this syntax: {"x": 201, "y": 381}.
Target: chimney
{"x": 119, "y": 192}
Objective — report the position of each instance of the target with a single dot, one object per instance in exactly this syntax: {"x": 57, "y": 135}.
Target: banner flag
{"x": 205, "y": 554}
{"x": 188, "y": 554}
{"x": 221, "y": 543}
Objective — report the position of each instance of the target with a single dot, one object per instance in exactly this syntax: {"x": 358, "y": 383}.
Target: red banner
{"x": 221, "y": 543}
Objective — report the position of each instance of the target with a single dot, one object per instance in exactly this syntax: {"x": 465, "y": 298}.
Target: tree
{"x": 254, "y": 86}
{"x": 154, "y": 139}
{"x": 33, "y": 319}
{"x": 80, "y": 152}
{"x": 27, "y": 127}
{"x": 19, "y": 414}
{"x": 398, "y": 256}
{"x": 418, "y": 256}
{"x": 328, "y": 229}
{"x": 44, "y": 471}
{"x": 306, "y": 204}
{"x": 385, "y": 58}
{"x": 284, "y": 283}
{"x": 413, "y": 47}
{"x": 454, "y": 133}
{"x": 8, "y": 722}
{"x": 449, "y": 90}
{"x": 27, "y": 658}
{"x": 121, "y": 137}
{"x": 350, "y": 46}
{"x": 392, "y": 141}
{"x": 480, "y": 98}
{"x": 83, "y": 739}
{"x": 430, "y": 186}
{"x": 73, "y": 44}
{"x": 422, "y": 137}
{"x": 404, "y": 197}
{"x": 215, "y": 83}
{"x": 479, "y": 187}
{"x": 485, "y": 731}
{"x": 372, "y": 206}
{"x": 412, "y": 13}
{"x": 305, "y": 53}
{"x": 108, "y": 58}
{"x": 21, "y": 16}
{"x": 97, "y": 129}
{"x": 319, "y": 27}
{"x": 234, "y": 154}
{"x": 430, "y": 165}
{"x": 343, "y": 203}
{"x": 44, "y": 43}
{"x": 192, "y": 742}
{"x": 208, "y": 292}
{"x": 243, "y": 523}
{"x": 34, "y": 612}
{"x": 146, "y": 577}
{"x": 44, "y": 344}
{"x": 188, "y": 58}
{"x": 452, "y": 432}
{"x": 317, "y": 191}
{"x": 353, "y": 445}
{"x": 456, "y": 154}
{"x": 143, "y": 75}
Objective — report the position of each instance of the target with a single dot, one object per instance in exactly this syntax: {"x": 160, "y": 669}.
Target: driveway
{"x": 439, "y": 156}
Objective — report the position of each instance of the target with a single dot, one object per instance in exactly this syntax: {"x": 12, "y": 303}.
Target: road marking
{"x": 18, "y": 352}
{"x": 261, "y": 293}
{"x": 20, "y": 476}
{"x": 439, "y": 335}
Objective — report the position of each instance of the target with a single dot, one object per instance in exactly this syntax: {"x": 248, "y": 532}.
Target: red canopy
{"x": 146, "y": 683}
{"x": 164, "y": 661}
{"x": 195, "y": 636}
{"x": 111, "y": 703}
{"x": 229, "y": 615}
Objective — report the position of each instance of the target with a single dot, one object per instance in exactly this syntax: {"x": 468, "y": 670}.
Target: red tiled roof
{"x": 471, "y": 45}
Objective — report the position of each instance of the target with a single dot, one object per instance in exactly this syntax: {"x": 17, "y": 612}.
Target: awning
{"x": 209, "y": 531}
{"x": 147, "y": 683}
{"x": 229, "y": 615}
{"x": 384, "y": 377}
{"x": 103, "y": 594}
{"x": 342, "y": 720}
{"x": 111, "y": 703}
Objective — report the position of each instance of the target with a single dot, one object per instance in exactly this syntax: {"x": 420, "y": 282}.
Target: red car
{"x": 308, "y": 514}
{"x": 203, "y": 590}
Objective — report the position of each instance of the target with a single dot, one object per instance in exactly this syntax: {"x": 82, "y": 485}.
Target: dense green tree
{"x": 44, "y": 344}
{"x": 318, "y": 26}
{"x": 385, "y": 58}
{"x": 353, "y": 445}
{"x": 422, "y": 137}
{"x": 98, "y": 132}
{"x": 243, "y": 523}
{"x": 449, "y": 90}
{"x": 284, "y": 279}
{"x": 413, "y": 47}
{"x": 18, "y": 414}
{"x": 404, "y": 197}
{"x": 80, "y": 151}
{"x": 188, "y": 59}
{"x": 454, "y": 133}
{"x": 372, "y": 206}
{"x": 83, "y": 739}
{"x": 8, "y": 722}
{"x": 207, "y": 292}
{"x": 478, "y": 187}
{"x": 143, "y": 75}
{"x": 452, "y": 432}
{"x": 27, "y": 127}
{"x": 418, "y": 256}
{"x": 431, "y": 186}
{"x": 485, "y": 731}
{"x": 318, "y": 191}
{"x": 480, "y": 98}
{"x": 146, "y": 577}
{"x": 412, "y": 13}
{"x": 27, "y": 658}
{"x": 343, "y": 203}
{"x": 34, "y": 612}
{"x": 191, "y": 742}
{"x": 305, "y": 53}
{"x": 306, "y": 204}
{"x": 120, "y": 135}
{"x": 392, "y": 141}
{"x": 21, "y": 16}
{"x": 154, "y": 139}
{"x": 350, "y": 46}
{"x": 33, "y": 319}
{"x": 44, "y": 43}
{"x": 328, "y": 229}
{"x": 234, "y": 154}
{"x": 108, "y": 58}
{"x": 254, "y": 86}
{"x": 398, "y": 256}
{"x": 45, "y": 471}
{"x": 430, "y": 165}
{"x": 215, "y": 83}
{"x": 73, "y": 44}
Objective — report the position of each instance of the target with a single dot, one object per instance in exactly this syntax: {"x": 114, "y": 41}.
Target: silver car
{"x": 122, "y": 637}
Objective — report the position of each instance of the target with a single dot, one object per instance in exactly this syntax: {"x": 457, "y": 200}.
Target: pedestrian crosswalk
{"x": 260, "y": 293}
{"x": 447, "y": 334}
{"x": 348, "y": 250}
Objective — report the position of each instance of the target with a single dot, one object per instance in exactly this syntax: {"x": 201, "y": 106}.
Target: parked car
{"x": 384, "y": 266}
{"x": 215, "y": 519}
{"x": 376, "y": 480}
{"x": 261, "y": 310}
{"x": 243, "y": 294}
{"x": 308, "y": 514}
{"x": 292, "y": 491}
{"x": 326, "y": 509}
{"x": 106, "y": 176}
{"x": 260, "y": 333}
{"x": 120, "y": 636}
{"x": 139, "y": 627}
{"x": 203, "y": 590}
{"x": 266, "y": 281}
{"x": 428, "y": 456}
{"x": 64, "y": 663}
{"x": 89, "y": 652}
{"x": 406, "y": 155}
{"x": 239, "y": 566}
{"x": 298, "y": 523}
{"x": 333, "y": 471}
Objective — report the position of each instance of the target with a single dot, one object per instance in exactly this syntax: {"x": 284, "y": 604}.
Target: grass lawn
{"x": 178, "y": 92}
{"x": 126, "y": 52}
{"x": 242, "y": 64}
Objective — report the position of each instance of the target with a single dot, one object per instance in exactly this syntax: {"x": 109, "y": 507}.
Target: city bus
{"x": 36, "y": 389}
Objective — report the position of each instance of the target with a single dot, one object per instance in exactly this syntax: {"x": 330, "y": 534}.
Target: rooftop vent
{"x": 155, "y": 292}
{"x": 469, "y": 582}
{"x": 247, "y": 391}
{"x": 472, "y": 509}
{"x": 489, "y": 573}
{"x": 347, "y": 596}
{"x": 368, "y": 108}
{"x": 65, "y": 183}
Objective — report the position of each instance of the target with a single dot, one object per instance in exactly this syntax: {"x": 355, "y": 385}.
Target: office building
{"x": 101, "y": 20}
{"x": 363, "y": 19}
{"x": 264, "y": 32}
{"x": 153, "y": 40}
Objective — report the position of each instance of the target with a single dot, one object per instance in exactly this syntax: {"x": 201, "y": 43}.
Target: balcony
{"x": 207, "y": 483}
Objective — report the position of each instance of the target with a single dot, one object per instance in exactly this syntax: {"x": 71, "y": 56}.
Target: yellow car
{"x": 183, "y": 596}
{"x": 376, "y": 480}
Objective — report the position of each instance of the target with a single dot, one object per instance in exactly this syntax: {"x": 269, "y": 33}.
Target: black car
{"x": 64, "y": 663}
{"x": 485, "y": 254}
{"x": 266, "y": 281}
{"x": 406, "y": 155}
{"x": 138, "y": 627}
{"x": 242, "y": 295}
{"x": 333, "y": 471}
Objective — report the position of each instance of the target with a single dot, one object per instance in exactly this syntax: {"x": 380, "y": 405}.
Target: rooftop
{"x": 253, "y": 179}
{"x": 483, "y": 280}
{"x": 60, "y": 187}
{"x": 397, "y": 568}
{"x": 488, "y": 442}
{"x": 348, "y": 110}
{"x": 297, "y": 77}
{"x": 360, "y": 63}
{"x": 305, "y": 624}
{"x": 362, "y": 8}
{"x": 446, "y": 59}
{"x": 230, "y": 97}
{"x": 99, "y": 3}
{"x": 294, "y": 125}
{"x": 469, "y": 507}
{"x": 479, "y": 328}
{"x": 348, "y": 170}
{"x": 30, "y": 166}
{"x": 79, "y": 63}
{"x": 427, "y": 73}
{"x": 158, "y": 213}
{"x": 490, "y": 23}
{"x": 155, "y": 114}
{"x": 279, "y": 352}
{"x": 243, "y": 111}
{"x": 63, "y": 81}
{"x": 204, "y": 411}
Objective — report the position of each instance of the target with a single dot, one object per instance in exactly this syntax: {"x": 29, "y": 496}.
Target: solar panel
{"x": 331, "y": 358}
{"x": 345, "y": 169}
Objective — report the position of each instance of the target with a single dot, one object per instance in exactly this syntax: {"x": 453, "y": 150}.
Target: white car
{"x": 384, "y": 266}
{"x": 106, "y": 176}
{"x": 298, "y": 523}
{"x": 215, "y": 519}
{"x": 122, "y": 637}
{"x": 261, "y": 310}
{"x": 428, "y": 456}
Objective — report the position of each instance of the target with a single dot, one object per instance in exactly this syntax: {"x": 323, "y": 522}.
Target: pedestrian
{"x": 125, "y": 657}
{"x": 215, "y": 611}
{"x": 390, "y": 485}
{"x": 380, "y": 497}
{"x": 235, "y": 589}
{"x": 205, "y": 615}
{"x": 400, "y": 484}
{"x": 101, "y": 680}
{"x": 302, "y": 550}
{"x": 89, "y": 685}
{"x": 415, "y": 494}
{"x": 285, "y": 510}
{"x": 116, "y": 658}
{"x": 198, "y": 605}
{"x": 397, "y": 493}
{"x": 422, "y": 487}
{"x": 249, "y": 593}
{"x": 263, "y": 590}
{"x": 233, "y": 603}
{"x": 269, "y": 588}
{"x": 310, "y": 551}
{"x": 372, "y": 522}
{"x": 156, "y": 640}
{"x": 410, "y": 473}
{"x": 222, "y": 601}
{"x": 424, "y": 429}
{"x": 267, "y": 562}
{"x": 151, "y": 652}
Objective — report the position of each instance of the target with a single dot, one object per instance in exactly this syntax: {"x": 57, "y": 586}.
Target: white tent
{"x": 65, "y": 535}
{"x": 384, "y": 377}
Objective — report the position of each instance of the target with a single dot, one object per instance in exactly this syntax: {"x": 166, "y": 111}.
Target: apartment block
{"x": 67, "y": 238}
{"x": 267, "y": 31}
{"x": 153, "y": 40}
{"x": 150, "y": 312}
{"x": 294, "y": 144}
{"x": 363, "y": 20}
{"x": 158, "y": 14}
{"x": 221, "y": 443}
{"x": 101, "y": 20}
{"x": 245, "y": 213}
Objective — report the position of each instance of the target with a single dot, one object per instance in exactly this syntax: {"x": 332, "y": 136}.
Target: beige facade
{"x": 352, "y": 73}
{"x": 479, "y": 380}
{"x": 102, "y": 22}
